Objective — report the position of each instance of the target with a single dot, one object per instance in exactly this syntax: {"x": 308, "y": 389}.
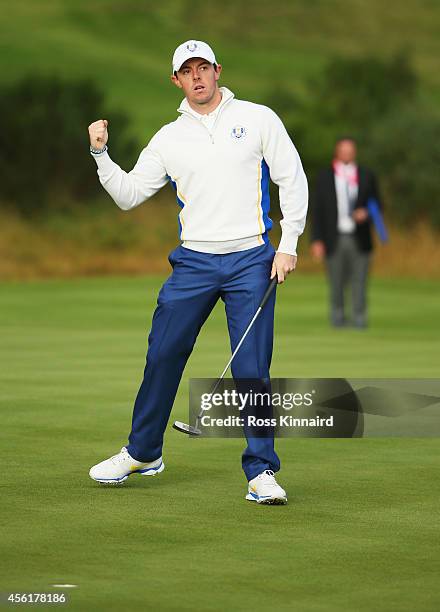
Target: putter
{"x": 195, "y": 430}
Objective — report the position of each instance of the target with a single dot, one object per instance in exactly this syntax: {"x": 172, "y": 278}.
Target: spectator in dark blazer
{"x": 341, "y": 231}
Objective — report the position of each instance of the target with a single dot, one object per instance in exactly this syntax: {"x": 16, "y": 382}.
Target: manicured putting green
{"x": 360, "y": 529}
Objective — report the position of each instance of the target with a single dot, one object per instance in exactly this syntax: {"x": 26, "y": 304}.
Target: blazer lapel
{"x": 332, "y": 188}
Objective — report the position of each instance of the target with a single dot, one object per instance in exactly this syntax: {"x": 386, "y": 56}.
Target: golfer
{"x": 219, "y": 156}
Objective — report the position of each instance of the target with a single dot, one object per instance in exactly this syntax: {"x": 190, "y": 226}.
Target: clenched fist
{"x": 98, "y": 134}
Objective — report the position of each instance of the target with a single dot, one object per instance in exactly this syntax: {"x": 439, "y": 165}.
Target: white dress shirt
{"x": 345, "y": 192}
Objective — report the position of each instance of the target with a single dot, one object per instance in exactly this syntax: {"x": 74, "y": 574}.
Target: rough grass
{"x": 101, "y": 239}
{"x": 126, "y": 47}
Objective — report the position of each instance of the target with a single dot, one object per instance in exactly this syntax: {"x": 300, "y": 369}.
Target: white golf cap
{"x": 189, "y": 49}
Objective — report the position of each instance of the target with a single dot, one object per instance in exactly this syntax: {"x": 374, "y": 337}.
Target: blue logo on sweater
{"x": 238, "y": 132}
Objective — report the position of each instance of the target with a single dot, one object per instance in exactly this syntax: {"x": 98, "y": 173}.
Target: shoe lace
{"x": 120, "y": 457}
{"x": 269, "y": 478}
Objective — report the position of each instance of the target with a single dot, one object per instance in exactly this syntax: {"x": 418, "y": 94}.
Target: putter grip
{"x": 273, "y": 284}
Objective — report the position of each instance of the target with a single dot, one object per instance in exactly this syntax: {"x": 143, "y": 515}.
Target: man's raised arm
{"x": 128, "y": 189}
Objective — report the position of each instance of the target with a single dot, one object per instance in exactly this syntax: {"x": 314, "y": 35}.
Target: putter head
{"x": 187, "y": 429}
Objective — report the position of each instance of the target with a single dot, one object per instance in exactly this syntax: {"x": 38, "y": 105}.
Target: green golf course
{"x": 359, "y": 532}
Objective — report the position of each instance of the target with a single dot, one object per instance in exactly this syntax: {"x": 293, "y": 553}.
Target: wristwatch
{"x": 98, "y": 151}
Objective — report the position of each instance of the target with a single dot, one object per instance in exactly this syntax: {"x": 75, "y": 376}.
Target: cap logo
{"x": 191, "y": 47}
{"x": 238, "y": 132}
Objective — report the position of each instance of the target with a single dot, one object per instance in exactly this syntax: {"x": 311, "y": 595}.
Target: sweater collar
{"x": 227, "y": 95}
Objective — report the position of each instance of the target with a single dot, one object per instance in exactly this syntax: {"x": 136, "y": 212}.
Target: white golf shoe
{"x": 119, "y": 467}
{"x": 264, "y": 489}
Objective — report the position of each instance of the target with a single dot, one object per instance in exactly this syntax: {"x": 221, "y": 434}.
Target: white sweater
{"x": 220, "y": 171}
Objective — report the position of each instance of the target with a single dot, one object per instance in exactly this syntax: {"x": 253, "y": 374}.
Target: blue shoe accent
{"x": 112, "y": 479}
{"x": 154, "y": 469}
{"x": 255, "y": 496}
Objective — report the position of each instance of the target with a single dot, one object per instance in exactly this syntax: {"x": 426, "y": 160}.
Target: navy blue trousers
{"x": 185, "y": 301}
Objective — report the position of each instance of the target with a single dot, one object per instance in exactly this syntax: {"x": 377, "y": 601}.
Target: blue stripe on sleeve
{"x": 179, "y": 202}
{"x": 265, "y": 199}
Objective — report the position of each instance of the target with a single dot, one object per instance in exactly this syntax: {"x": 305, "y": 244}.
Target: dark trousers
{"x": 184, "y": 303}
{"x": 347, "y": 267}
